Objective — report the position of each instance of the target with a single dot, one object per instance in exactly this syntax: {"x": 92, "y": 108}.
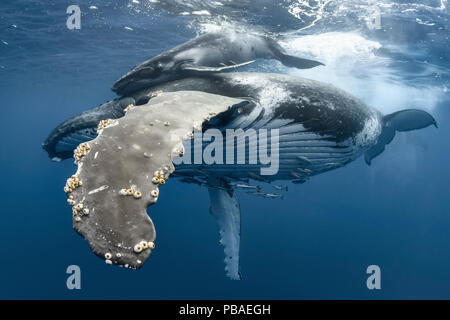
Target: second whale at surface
{"x": 206, "y": 54}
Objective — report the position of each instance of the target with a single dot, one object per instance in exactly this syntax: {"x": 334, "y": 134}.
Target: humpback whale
{"x": 123, "y": 166}
{"x": 208, "y": 53}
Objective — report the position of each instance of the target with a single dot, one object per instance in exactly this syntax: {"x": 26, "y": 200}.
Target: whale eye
{"x": 157, "y": 67}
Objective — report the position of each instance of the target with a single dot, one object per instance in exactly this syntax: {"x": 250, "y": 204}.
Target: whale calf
{"x": 208, "y": 53}
{"x": 320, "y": 128}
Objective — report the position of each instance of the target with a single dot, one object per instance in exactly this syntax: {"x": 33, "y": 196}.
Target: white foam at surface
{"x": 333, "y": 47}
{"x": 201, "y": 13}
{"x": 351, "y": 63}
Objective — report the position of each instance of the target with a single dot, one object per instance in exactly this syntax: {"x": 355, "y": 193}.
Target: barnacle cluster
{"x": 129, "y": 107}
{"x": 179, "y": 151}
{"x": 210, "y": 115}
{"x": 130, "y": 192}
{"x": 81, "y": 151}
{"x": 78, "y": 209}
{"x": 144, "y": 245}
{"x": 159, "y": 177}
{"x": 156, "y": 93}
{"x": 103, "y": 124}
{"x": 72, "y": 183}
{"x": 188, "y": 136}
{"x": 108, "y": 257}
{"x": 70, "y": 200}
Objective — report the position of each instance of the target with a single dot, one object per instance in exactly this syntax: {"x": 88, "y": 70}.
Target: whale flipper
{"x": 225, "y": 208}
{"x": 205, "y": 69}
{"x": 121, "y": 171}
{"x": 290, "y": 61}
{"x": 404, "y": 120}
{"x": 299, "y": 63}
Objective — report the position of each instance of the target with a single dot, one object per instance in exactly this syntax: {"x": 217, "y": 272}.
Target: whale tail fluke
{"x": 405, "y": 120}
{"x": 296, "y": 62}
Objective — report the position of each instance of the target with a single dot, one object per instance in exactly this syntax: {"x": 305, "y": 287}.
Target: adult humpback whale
{"x": 321, "y": 128}
{"x": 208, "y": 53}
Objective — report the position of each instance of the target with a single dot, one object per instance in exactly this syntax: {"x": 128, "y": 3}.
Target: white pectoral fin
{"x": 225, "y": 208}
{"x": 205, "y": 69}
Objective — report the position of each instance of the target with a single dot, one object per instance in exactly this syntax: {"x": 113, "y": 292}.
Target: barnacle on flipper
{"x": 103, "y": 124}
{"x": 81, "y": 151}
{"x": 156, "y": 93}
{"x": 133, "y": 160}
{"x": 72, "y": 183}
{"x": 129, "y": 107}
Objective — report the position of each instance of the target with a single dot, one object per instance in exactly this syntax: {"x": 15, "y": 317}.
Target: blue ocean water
{"x": 317, "y": 242}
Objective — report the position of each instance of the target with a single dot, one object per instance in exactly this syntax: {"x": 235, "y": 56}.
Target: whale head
{"x": 147, "y": 74}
